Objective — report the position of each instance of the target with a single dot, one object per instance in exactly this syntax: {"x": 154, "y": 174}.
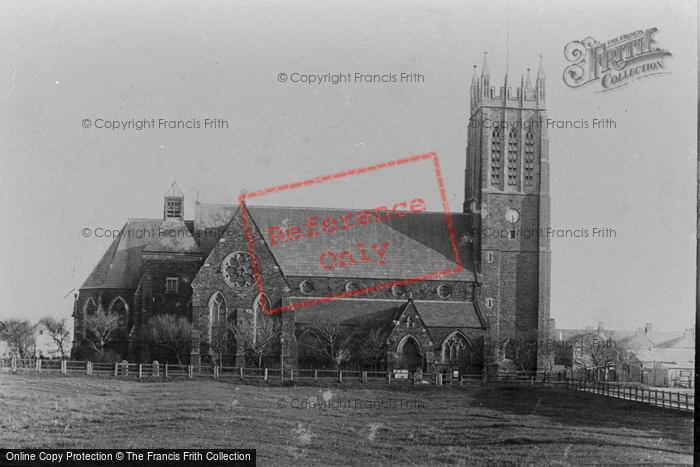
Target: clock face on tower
{"x": 512, "y": 215}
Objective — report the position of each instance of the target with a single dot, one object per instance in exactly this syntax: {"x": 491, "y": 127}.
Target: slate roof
{"x": 685, "y": 342}
{"x": 680, "y": 357}
{"x": 120, "y": 266}
{"x": 375, "y": 311}
{"x": 345, "y": 310}
{"x": 173, "y": 236}
{"x": 210, "y": 221}
{"x": 418, "y": 244}
{"x": 450, "y": 314}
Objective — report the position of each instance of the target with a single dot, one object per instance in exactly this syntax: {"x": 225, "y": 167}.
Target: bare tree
{"x": 331, "y": 341}
{"x": 218, "y": 342}
{"x": 20, "y": 337}
{"x": 369, "y": 345}
{"x": 472, "y": 357}
{"x": 173, "y": 333}
{"x": 101, "y": 330}
{"x": 522, "y": 351}
{"x": 59, "y": 333}
{"x": 258, "y": 337}
{"x": 593, "y": 353}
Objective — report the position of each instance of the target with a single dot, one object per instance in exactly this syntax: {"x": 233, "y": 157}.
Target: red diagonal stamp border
{"x": 325, "y": 178}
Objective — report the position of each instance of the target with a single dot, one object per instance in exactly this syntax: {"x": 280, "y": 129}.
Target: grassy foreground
{"x": 378, "y": 425}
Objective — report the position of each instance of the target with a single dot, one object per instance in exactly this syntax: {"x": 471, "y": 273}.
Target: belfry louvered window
{"x": 513, "y": 158}
{"x": 529, "y": 159}
{"x": 496, "y": 157}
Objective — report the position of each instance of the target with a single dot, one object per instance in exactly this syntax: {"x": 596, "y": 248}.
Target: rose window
{"x": 444, "y": 291}
{"x": 306, "y": 287}
{"x": 237, "y": 269}
{"x": 398, "y": 290}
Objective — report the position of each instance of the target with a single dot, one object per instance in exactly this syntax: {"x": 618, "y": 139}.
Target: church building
{"x": 482, "y": 316}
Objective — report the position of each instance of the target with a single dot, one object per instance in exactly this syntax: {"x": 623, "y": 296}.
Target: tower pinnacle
{"x": 485, "y": 69}
{"x": 540, "y": 71}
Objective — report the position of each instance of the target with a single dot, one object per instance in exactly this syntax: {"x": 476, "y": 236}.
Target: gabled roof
{"x": 173, "y": 236}
{"x": 120, "y": 266}
{"x": 417, "y": 244}
{"x": 687, "y": 341}
{"x": 352, "y": 311}
{"x": 450, "y": 314}
{"x": 345, "y": 311}
{"x": 210, "y": 221}
{"x": 667, "y": 356}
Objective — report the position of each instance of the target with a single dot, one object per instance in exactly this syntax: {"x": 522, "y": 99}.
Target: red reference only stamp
{"x": 345, "y": 226}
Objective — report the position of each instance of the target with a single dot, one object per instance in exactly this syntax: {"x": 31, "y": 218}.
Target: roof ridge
{"x": 256, "y": 206}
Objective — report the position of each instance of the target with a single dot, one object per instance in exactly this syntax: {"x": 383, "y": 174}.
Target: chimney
{"x": 600, "y": 326}
{"x": 647, "y": 328}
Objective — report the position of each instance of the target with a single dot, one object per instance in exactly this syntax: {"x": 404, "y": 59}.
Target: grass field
{"x": 417, "y": 425}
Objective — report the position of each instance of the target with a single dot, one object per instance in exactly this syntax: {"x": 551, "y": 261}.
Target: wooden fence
{"x": 669, "y": 399}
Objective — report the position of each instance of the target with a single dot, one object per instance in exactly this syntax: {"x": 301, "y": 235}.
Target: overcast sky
{"x": 62, "y": 63}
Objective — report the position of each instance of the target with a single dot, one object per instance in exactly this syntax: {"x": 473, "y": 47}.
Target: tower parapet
{"x": 525, "y": 96}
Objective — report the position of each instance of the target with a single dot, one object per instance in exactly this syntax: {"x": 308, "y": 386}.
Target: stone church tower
{"x": 507, "y": 192}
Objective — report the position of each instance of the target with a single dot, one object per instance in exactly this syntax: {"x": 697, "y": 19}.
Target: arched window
{"x": 496, "y": 157}
{"x": 217, "y": 310}
{"x": 119, "y": 307}
{"x": 453, "y": 349}
{"x": 529, "y": 171}
{"x": 261, "y": 306}
{"x": 90, "y": 307}
{"x": 513, "y": 158}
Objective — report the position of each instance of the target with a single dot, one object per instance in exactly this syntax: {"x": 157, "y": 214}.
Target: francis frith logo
{"x": 614, "y": 63}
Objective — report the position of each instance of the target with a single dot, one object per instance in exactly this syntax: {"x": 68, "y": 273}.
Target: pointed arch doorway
{"x": 411, "y": 355}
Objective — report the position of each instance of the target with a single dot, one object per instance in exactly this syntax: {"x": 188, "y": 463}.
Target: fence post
{"x": 340, "y": 375}
{"x": 64, "y": 366}
{"x": 388, "y": 376}
{"x": 38, "y": 365}
{"x": 189, "y": 371}
{"x": 364, "y": 377}
{"x": 291, "y": 374}
{"x": 265, "y": 374}
{"x": 165, "y": 374}
{"x": 241, "y": 371}
{"x": 116, "y": 368}
{"x": 686, "y": 402}
{"x": 216, "y": 371}
{"x": 140, "y": 369}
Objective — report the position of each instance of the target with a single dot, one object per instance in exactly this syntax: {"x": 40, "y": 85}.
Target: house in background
{"x": 656, "y": 358}
{"x": 43, "y": 345}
